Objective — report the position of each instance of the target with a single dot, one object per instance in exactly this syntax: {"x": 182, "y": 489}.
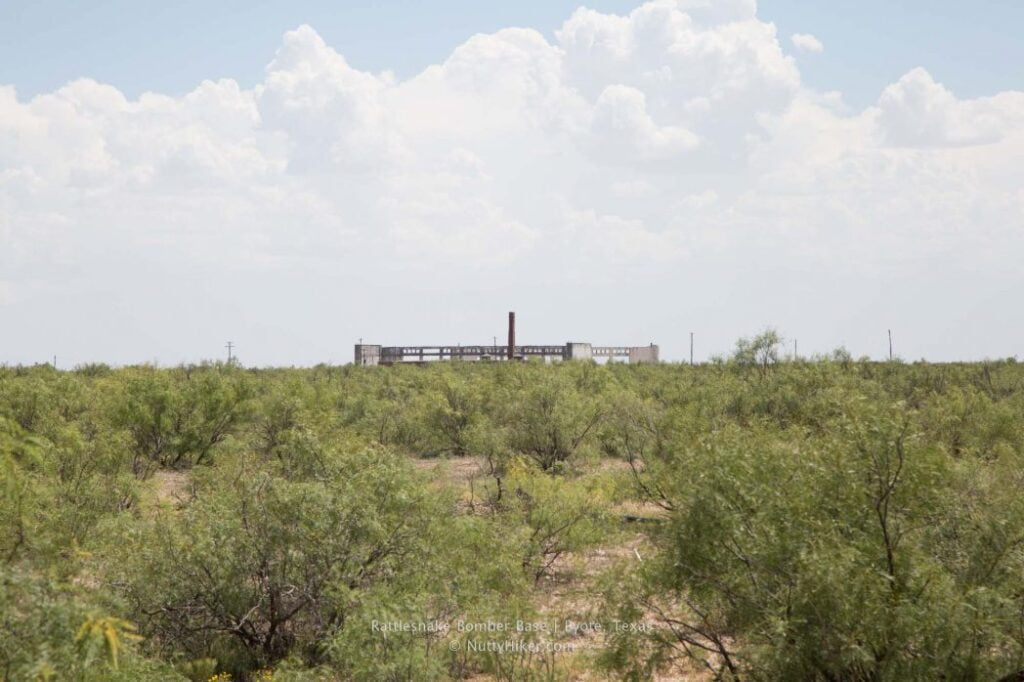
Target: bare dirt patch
{"x": 457, "y": 469}
{"x": 172, "y": 487}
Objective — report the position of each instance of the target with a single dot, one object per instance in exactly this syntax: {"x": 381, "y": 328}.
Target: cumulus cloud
{"x": 623, "y": 128}
{"x": 673, "y": 138}
{"x": 918, "y": 111}
{"x": 806, "y": 42}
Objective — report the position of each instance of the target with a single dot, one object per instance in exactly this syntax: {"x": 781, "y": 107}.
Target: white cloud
{"x": 678, "y": 137}
{"x": 806, "y": 42}
{"x": 623, "y": 129}
{"x": 917, "y": 111}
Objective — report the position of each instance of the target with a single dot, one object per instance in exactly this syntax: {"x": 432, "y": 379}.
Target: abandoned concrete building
{"x": 372, "y": 354}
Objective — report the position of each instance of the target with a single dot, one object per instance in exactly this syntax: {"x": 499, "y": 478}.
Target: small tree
{"x": 557, "y": 516}
{"x": 761, "y": 352}
{"x": 176, "y": 421}
{"x": 260, "y": 567}
{"x": 550, "y": 420}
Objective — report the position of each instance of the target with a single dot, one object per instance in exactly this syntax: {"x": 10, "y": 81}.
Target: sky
{"x": 298, "y": 176}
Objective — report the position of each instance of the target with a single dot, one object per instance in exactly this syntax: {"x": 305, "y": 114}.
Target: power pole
{"x": 794, "y": 350}
{"x": 691, "y": 349}
{"x": 55, "y": 362}
{"x": 890, "y": 345}
{"x": 229, "y": 346}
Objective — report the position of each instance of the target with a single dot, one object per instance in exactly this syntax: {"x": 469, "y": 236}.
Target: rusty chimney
{"x": 511, "y": 335}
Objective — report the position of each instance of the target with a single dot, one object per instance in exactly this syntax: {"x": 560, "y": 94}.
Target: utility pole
{"x": 55, "y": 362}
{"x": 794, "y": 350}
{"x": 890, "y": 345}
{"x": 691, "y": 349}
{"x": 229, "y": 346}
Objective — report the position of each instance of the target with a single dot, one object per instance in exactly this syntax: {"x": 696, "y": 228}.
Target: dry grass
{"x": 172, "y": 487}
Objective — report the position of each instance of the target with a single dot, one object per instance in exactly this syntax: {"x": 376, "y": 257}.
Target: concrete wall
{"x": 578, "y": 351}
{"x": 641, "y": 354}
{"x": 367, "y": 354}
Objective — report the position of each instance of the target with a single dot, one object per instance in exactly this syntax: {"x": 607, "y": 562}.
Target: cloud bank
{"x": 669, "y": 162}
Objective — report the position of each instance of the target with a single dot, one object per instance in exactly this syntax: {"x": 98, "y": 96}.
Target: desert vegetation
{"x": 752, "y": 518}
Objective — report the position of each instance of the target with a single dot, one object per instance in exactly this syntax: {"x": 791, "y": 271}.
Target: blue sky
{"x": 649, "y": 171}
{"x": 137, "y": 45}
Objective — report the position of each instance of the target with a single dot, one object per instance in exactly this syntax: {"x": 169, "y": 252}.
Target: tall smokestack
{"x": 511, "y": 335}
